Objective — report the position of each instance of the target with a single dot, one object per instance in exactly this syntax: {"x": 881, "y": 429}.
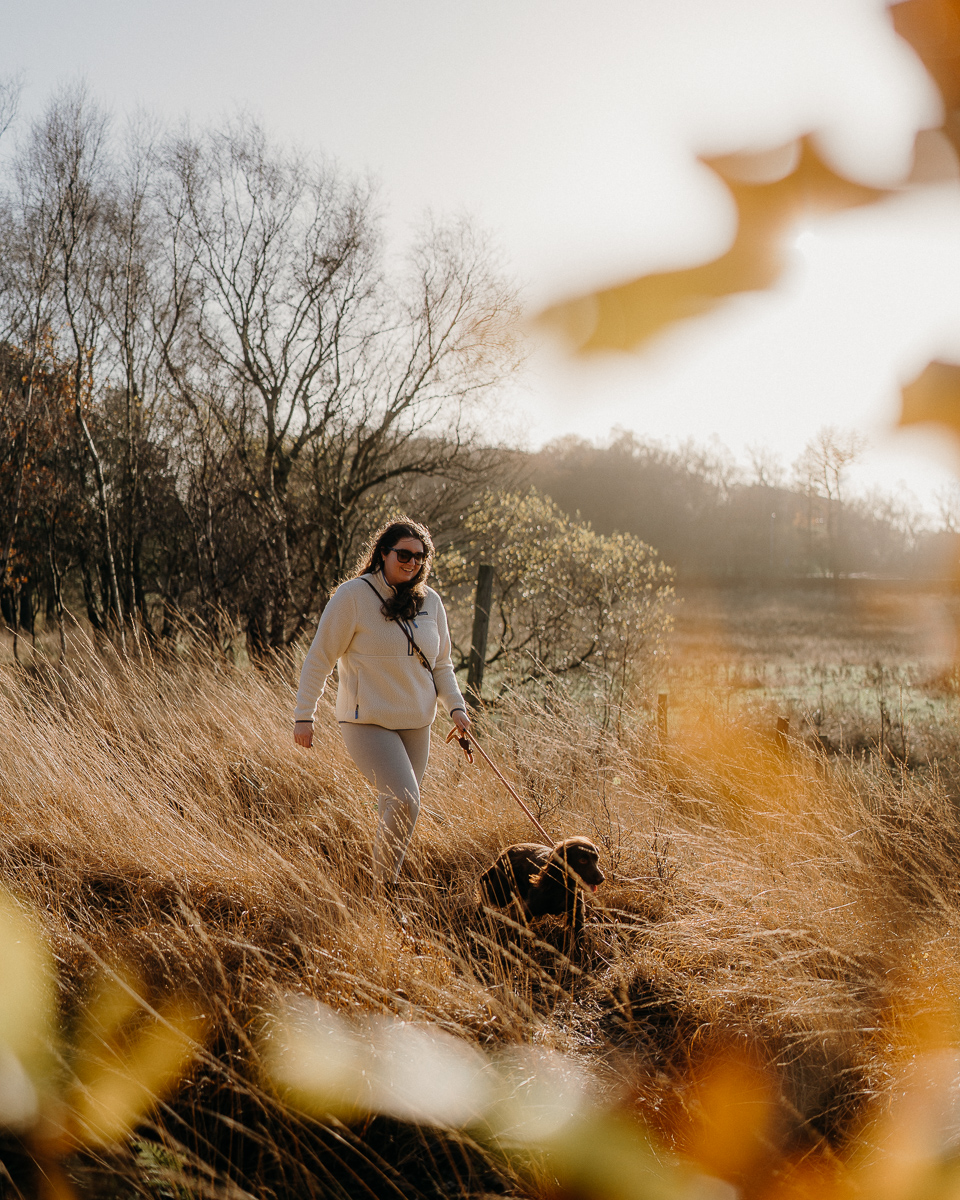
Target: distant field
{"x": 849, "y": 620}
{"x": 847, "y": 661}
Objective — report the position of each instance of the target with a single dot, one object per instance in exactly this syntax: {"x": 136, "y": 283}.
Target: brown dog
{"x": 544, "y": 880}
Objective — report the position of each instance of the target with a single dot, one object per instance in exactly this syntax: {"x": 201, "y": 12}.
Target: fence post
{"x": 783, "y": 724}
{"x": 478, "y": 642}
{"x": 662, "y": 702}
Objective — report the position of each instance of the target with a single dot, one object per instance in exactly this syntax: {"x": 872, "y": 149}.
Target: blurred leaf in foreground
{"x": 773, "y": 192}
{"x": 26, "y": 1017}
{"x": 325, "y": 1064}
{"x": 933, "y": 398}
{"x": 529, "y": 1105}
{"x": 125, "y": 1058}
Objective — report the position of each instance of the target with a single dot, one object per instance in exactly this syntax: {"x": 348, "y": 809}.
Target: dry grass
{"x": 786, "y": 912}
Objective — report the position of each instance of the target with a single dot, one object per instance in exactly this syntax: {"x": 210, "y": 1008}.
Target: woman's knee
{"x": 403, "y": 801}
{"x": 410, "y": 803}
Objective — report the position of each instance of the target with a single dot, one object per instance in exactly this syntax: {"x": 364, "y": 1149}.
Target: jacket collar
{"x": 379, "y": 582}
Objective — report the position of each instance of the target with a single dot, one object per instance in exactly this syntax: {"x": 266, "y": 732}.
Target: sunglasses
{"x": 405, "y": 556}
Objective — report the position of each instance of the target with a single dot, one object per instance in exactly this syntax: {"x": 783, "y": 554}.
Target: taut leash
{"x": 464, "y": 742}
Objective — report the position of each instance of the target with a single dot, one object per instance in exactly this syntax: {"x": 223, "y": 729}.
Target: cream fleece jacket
{"x": 381, "y": 679}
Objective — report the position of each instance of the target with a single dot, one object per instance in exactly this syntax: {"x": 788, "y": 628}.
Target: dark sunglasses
{"x": 405, "y": 556}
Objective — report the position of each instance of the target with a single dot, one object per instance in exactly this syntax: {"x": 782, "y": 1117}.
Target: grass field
{"x": 856, "y": 666}
{"x": 764, "y": 999}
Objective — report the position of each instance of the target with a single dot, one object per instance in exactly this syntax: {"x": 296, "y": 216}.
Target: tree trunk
{"x": 21, "y": 467}
{"x": 57, "y": 580}
{"x": 104, "y": 523}
{"x": 257, "y": 629}
{"x": 139, "y": 603}
{"x": 91, "y": 598}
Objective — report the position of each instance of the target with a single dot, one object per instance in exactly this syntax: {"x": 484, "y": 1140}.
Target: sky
{"x": 571, "y": 132}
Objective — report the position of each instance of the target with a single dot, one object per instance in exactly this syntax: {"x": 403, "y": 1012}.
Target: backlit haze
{"x": 571, "y": 132}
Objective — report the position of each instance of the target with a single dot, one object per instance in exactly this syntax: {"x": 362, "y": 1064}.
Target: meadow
{"x": 764, "y": 1001}
{"x": 857, "y": 667}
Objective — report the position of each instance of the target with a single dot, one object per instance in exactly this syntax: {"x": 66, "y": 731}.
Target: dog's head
{"x": 580, "y": 857}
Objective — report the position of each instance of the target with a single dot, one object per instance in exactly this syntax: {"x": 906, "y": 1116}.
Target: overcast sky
{"x": 570, "y": 131}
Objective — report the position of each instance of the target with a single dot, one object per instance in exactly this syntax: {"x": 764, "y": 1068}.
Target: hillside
{"x": 715, "y": 522}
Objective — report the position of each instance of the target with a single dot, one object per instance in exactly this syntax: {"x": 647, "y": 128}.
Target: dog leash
{"x": 464, "y": 743}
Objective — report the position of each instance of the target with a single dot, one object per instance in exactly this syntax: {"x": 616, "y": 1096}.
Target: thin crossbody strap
{"x": 424, "y": 661}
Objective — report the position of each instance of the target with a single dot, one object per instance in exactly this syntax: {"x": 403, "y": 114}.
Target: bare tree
{"x": 11, "y": 89}
{"x": 133, "y": 283}
{"x": 828, "y": 456}
{"x": 28, "y": 224}
{"x": 64, "y": 164}
{"x": 767, "y": 466}
{"x": 251, "y": 387}
{"x": 821, "y": 471}
{"x": 948, "y": 507}
{"x": 316, "y": 373}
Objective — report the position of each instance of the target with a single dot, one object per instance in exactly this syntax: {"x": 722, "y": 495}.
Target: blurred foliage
{"x": 626, "y": 316}
{"x": 533, "y": 1109}
{"x": 63, "y": 1093}
{"x": 934, "y": 398}
{"x": 774, "y": 190}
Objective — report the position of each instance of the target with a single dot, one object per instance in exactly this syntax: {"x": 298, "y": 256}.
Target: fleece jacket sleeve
{"x": 443, "y": 673}
{"x": 338, "y": 624}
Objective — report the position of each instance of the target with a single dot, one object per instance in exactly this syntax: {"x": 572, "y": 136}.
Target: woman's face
{"x": 394, "y": 571}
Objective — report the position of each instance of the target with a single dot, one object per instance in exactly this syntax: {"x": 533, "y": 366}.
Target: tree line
{"x": 215, "y": 379}
{"x": 716, "y": 521}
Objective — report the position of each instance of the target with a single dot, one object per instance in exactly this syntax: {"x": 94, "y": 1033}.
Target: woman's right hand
{"x": 303, "y": 734}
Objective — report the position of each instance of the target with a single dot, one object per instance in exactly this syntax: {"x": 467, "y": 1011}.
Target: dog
{"x": 544, "y": 880}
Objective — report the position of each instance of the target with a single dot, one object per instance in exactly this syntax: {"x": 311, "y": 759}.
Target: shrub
{"x": 569, "y": 603}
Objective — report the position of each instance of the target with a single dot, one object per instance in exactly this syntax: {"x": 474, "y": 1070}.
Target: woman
{"x": 388, "y": 633}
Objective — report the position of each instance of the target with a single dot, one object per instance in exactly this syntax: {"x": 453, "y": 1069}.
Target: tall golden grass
{"x": 776, "y": 944}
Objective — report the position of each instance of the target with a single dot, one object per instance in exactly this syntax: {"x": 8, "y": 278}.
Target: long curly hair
{"x": 408, "y": 599}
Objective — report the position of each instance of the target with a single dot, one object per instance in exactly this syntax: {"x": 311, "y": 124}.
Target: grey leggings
{"x": 394, "y": 761}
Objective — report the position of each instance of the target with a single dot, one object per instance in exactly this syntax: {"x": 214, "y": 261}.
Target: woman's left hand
{"x": 460, "y": 719}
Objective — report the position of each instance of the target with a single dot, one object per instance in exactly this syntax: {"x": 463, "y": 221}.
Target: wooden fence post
{"x": 783, "y": 725}
{"x": 481, "y": 626}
